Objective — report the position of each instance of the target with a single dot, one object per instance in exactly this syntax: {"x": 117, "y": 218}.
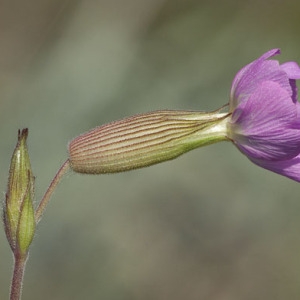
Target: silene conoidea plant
{"x": 262, "y": 119}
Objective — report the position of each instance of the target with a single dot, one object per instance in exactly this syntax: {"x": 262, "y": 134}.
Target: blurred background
{"x": 208, "y": 225}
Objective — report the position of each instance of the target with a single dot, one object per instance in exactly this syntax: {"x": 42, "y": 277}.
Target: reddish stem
{"x": 17, "y": 279}
{"x": 45, "y": 200}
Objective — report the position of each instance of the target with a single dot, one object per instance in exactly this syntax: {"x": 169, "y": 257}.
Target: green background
{"x": 209, "y": 225}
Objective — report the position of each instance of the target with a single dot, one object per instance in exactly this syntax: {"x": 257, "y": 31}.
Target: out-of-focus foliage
{"x": 209, "y": 225}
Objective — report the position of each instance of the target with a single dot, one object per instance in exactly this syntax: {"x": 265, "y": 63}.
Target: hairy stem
{"x": 45, "y": 200}
{"x": 17, "y": 279}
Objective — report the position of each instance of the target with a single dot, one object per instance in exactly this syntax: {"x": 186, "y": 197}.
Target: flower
{"x": 265, "y": 121}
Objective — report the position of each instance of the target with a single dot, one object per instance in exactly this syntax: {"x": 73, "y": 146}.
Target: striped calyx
{"x": 143, "y": 140}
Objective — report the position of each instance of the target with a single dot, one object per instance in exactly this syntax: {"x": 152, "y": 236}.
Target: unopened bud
{"x": 18, "y": 213}
{"x": 144, "y": 140}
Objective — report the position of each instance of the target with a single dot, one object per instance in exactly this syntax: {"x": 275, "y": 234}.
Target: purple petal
{"x": 292, "y": 69}
{"x": 289, "y": 168}
{"x": 294, "y": 88}
{"x": 267, "y": 125}
{"x": 238, "y": 77}
{"x": 248, "y": 79}
{"x": 293, "y": 72}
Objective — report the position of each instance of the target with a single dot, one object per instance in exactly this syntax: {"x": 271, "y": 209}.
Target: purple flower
{"x": 265, "y": 121}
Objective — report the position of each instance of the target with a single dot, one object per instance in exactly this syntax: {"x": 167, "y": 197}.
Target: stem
{"x": 45, "y": 200}
{"x": 17, "y": 279}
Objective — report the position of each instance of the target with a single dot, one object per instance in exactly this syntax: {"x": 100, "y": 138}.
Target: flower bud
{"x": 143, "y": 140}
{"x": 18, "y": 213}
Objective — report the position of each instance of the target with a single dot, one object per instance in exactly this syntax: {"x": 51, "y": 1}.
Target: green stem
{"x": 17, "y": 279}
{"x": 45, "y": 200}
